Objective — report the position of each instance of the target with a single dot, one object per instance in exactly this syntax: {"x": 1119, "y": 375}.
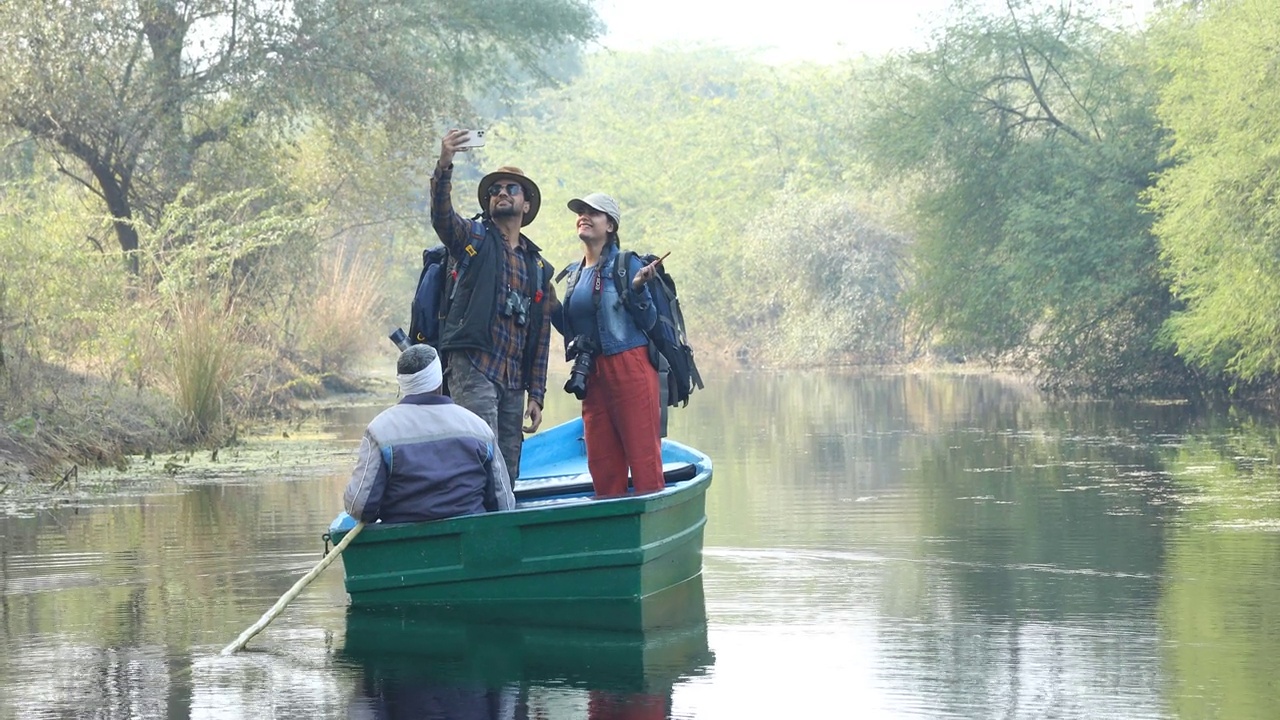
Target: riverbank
{"x": 70, "y": 423}
{"x": 58, "y": 420}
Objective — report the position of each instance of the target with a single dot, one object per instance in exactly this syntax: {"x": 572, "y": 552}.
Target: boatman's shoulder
{"x": 467, "y": 420}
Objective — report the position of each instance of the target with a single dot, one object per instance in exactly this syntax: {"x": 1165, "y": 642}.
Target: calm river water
{"x": 876, "y": 547}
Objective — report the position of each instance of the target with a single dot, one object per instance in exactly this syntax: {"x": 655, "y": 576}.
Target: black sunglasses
{"x": 512, "y": 189}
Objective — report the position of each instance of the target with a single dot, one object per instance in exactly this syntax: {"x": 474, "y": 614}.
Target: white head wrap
{"x": 425, "y": 380}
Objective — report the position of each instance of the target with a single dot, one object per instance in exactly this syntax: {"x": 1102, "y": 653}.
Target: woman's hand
{"x": 646, "y": 273}
{"x": 553, "y": 302}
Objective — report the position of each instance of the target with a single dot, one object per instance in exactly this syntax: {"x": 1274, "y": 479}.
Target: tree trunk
{"x": 166, "y": 31}
{"x": 115, "y": 190}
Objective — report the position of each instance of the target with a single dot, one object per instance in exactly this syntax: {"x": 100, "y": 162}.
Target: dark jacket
{"x": 472, "y": 317}
{"x": 469, "y": 322}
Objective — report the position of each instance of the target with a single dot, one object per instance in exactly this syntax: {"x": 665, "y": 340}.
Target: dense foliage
{"x": 134, "y": 96}
{"x": 1219, "y": 222}
{"x": 204, "y": 196}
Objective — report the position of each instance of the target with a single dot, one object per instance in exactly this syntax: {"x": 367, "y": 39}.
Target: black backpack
{"x": 668, "y": 335}
{"x": 429, "y": 307}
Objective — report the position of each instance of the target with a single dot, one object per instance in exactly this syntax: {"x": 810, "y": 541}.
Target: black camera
{"x": 516, "y": 306}
{"x": 583, "y": 351}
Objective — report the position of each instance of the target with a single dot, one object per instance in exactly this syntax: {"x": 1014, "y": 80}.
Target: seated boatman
{"x": 426, "y": 458}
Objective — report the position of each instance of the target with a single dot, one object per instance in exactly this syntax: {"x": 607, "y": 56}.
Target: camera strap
{"x": 597, "y": 287}
{"x": 597, "y": 291}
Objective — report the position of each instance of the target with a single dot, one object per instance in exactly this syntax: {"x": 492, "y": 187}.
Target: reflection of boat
{"x": 409, "y": 646}
{"x": 560, "y": 558}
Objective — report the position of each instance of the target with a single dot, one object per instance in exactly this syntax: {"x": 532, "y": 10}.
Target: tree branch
{"x": 1036, "y": 89}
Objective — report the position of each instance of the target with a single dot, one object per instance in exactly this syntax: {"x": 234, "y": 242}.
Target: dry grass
{"x": 339, "y": 327}
{"x": 207, "y": 359}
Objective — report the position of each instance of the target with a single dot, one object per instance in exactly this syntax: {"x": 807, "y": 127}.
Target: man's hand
{"x": 533, "y": 413}
{"x": 450, "y": 145}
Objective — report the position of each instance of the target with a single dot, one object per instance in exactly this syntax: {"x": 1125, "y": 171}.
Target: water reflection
{"x": 415, "y": 666}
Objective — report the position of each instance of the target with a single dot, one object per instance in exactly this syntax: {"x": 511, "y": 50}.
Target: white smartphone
{"x": 474, "y": 139}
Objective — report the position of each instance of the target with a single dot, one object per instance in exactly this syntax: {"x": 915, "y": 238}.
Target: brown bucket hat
{"x": 507, "y": 172}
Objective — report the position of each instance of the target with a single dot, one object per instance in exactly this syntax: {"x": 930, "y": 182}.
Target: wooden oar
{"x": 293, "y": 592}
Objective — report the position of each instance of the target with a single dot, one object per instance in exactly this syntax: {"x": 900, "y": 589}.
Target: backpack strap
{"x": 621, "y": 273}
{"x": 469, "y": 251}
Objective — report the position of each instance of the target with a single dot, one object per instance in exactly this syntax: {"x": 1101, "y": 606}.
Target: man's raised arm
{"x": 453, "y": 229}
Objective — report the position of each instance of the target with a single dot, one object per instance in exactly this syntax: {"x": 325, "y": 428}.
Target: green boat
{"x": 560, "y": 558}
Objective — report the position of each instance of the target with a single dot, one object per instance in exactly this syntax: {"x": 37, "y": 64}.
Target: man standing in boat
{"x": 497, "y": 333}
{"x": 426, "y": 458}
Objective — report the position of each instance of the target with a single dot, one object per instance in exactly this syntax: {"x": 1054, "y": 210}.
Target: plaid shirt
{"x": 503, "y": 364}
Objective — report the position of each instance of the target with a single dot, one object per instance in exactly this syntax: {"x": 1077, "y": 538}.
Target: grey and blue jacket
{"x": 622, "y": 319}
{"x": 426, "y": 458}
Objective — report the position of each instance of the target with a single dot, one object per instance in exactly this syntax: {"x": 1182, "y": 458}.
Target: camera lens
{"x": 400, "y": 339}
{"x": 577, "y": 382}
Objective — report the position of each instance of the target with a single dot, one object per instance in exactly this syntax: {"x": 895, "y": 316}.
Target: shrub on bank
{"x": 206, "y": 360}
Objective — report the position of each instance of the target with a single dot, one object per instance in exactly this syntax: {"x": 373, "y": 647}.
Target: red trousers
{"x": 604, "y": 705}
{"x": 620, "y": 424}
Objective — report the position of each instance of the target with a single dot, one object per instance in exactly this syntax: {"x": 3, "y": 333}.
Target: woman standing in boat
{"x": 604, "y": 330}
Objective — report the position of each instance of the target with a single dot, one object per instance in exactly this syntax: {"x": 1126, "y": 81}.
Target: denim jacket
{"x": 623, "y": 322}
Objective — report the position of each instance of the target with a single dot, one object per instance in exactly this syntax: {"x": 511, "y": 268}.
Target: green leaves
{"x": 257, "y": 163}
{"x": 130, "y": 96}
{"x": 1219, "y": 224}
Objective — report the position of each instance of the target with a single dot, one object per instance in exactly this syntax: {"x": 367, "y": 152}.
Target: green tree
{"x": 1028, "y": 136}
{"x": 131, "y": 94}
{"x": 1219, "y": 225}
{"x": 253, "y": 160}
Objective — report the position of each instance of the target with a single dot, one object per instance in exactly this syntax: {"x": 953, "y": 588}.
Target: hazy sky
{"x": 786, "y": 30}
